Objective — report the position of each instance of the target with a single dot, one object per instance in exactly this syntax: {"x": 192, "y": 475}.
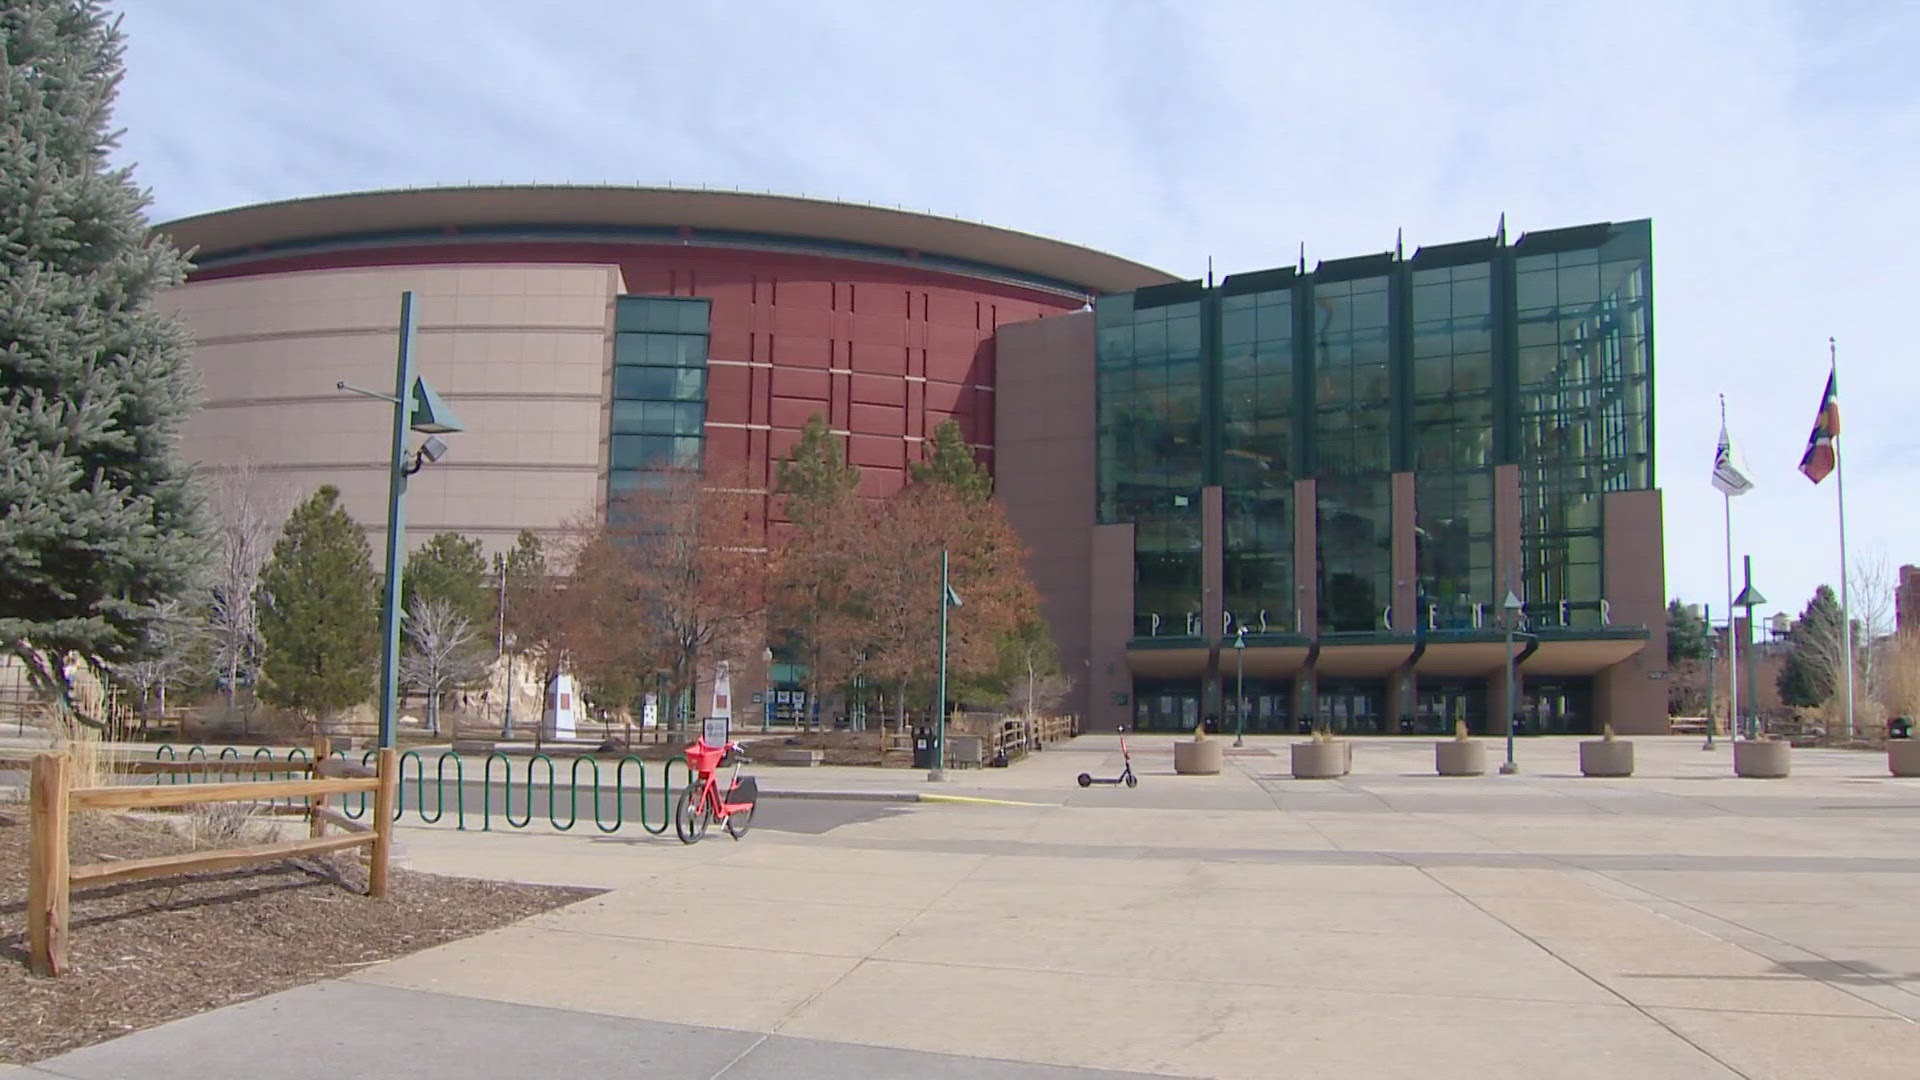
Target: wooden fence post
{"x": 322, "y": 749}
{"x": 383, "y": 800}
{"x": 47, "y": 865}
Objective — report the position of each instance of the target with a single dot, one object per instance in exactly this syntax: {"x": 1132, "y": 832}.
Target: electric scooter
{"x": 1126, "y": 770}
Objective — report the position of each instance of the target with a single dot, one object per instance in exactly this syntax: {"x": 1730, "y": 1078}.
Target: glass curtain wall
{"x": 1152, "y": 392}
{"x": 1257, "y": 432}
{"x": 1452, "y": 444}
{"x": 1583, "y": 323}
{"x": 1353, "y": 443}
{"x": 659, "y": 387}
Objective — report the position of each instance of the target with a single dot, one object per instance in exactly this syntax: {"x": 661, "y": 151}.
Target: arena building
{"x": 1324, "y": 479}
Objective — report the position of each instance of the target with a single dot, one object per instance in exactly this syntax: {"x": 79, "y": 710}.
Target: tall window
{"x": 659, "y": 387}
{"x": 1151, "y": 388}
{"x": 1256, "y": 400}
{"x": 1353, "y": 442}
{"x": 1452, "y": 443}
{"x": 1584, "y": 391}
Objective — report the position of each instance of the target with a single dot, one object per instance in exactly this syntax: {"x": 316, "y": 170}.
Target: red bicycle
{"x": 702, "y": 803}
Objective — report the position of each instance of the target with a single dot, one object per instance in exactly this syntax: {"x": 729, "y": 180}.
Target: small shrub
{"x": 222, "y": 825}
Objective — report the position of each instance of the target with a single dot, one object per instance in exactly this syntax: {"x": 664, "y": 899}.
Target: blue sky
{"x": 1774, "y": 145}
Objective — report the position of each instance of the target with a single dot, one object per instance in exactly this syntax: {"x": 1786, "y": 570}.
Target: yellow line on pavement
{"x": 929, "y": 797}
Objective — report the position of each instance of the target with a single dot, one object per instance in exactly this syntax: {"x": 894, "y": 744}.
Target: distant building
{"x": 1906, "y": 601}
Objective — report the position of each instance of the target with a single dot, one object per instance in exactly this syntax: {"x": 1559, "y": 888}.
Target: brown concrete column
{"x": 1110, "y": 620}
{"x": 1498, "y": 705}
{"x": 1406, "y": 565}
{"x": 1509, "y": 571}
{"x": 1627, "y": 695}
{"x": 1306, "y": 567}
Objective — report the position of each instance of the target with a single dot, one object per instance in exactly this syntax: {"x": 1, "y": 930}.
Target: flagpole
{"x": 1840, "y": 497}
{"x": 1733, "y": 644}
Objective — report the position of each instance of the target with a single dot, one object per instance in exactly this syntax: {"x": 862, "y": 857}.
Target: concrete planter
{"x": 1903, "y": 757}
{"x": 1458, "y": 757}
{"x": 1199, "y": 758}
{"x": 1602, "y": 758}
{"x": 1762, "y": 759}
{"x": 1322, "y": 760}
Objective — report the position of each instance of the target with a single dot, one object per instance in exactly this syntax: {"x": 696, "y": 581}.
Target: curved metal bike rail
{"x": 583, "y": 776}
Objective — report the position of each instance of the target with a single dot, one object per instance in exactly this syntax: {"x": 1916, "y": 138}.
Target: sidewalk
{"x": 1394, "y": 924}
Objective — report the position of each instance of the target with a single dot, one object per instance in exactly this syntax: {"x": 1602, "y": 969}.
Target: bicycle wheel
{"x": 691, "y": 815}
{"x": 738, "y": 823}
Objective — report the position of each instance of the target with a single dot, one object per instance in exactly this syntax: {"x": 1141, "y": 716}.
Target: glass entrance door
{"x": 1353, "y": 708}
{"x": 1440, "y": 705}
{"x": 1269, "y": 705}
{"x": 1164, "y": 705}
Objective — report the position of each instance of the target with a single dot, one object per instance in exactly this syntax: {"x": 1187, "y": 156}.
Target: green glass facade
{"x": 1153, "y": 431}
{"x": 1438, "y": 368}
{"x": 659, "y": 387}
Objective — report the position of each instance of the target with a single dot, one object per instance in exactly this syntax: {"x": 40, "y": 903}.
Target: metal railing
{"x": 429, "y": 803}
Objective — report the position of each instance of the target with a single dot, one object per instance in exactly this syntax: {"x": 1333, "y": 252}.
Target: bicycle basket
{"x": 703, "y": 759}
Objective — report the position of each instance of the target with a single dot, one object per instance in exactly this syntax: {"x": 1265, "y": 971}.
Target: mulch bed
{"x": 146, "y": 952}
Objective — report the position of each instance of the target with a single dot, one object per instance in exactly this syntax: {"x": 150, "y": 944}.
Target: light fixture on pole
{"x": 1240, "y": 707}
{"x": 948, "y": 598}
{"x": 415, "y": 408}
{"x": 1749, "y": 598}
{"x": 1512, "y": 607}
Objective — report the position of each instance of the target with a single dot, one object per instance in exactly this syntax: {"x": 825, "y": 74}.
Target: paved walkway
{"x": 1679, "y": 924}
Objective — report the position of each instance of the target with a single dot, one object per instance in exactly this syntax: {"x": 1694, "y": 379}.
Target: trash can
{"x": 922, "y": 749}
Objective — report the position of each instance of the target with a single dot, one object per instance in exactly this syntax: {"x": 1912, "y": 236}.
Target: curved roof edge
{"x": 261, "y": 228}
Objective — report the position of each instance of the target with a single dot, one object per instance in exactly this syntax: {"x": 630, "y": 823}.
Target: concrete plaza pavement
{"x": 1681, "y": 923}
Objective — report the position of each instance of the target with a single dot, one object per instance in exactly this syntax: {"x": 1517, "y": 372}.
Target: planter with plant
{"x": 1903, "y": 756}
{"x": 1764, "y": 758}
{"x": 1200, "y": 755}
{"x": 1607, "y": 755}
{"x": 1461, "y": 755}
{"x": 1322, "y": 757}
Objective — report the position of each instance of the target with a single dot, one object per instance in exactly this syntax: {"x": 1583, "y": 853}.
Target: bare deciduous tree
{"x": 175, "y": 652}
{"x": 444, "y": 650}
{"x": 1870, "y": 592}
{"x": 247, "y": 513}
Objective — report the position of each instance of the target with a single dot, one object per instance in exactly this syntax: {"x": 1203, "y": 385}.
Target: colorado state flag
{"x": 1817, "y": 462}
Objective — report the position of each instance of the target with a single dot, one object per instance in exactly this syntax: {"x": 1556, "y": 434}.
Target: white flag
{"x": 1729, "y": 471}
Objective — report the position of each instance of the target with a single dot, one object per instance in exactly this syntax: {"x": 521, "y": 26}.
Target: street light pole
{"x": 1512, "y": 606}
{"x": 1713, "y": 655}
{"x": 948, "y": 598}
{"x": 415, "y": 408}
{"x": 1240, "y": 657}
{"x": 396, "y": 524}
{"x": 1749, "y": 598}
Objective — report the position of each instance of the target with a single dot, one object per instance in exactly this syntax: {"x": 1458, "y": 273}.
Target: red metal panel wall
{"x": 884, "y": 351}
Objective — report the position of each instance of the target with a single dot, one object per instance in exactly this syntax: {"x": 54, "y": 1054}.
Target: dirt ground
{"x": 146, "y": 952}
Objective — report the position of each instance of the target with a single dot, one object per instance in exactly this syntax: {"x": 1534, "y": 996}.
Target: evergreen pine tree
{"x": 1812, "y": 668}
{"x": 99, "y": 522}
{"x": 319, "y": 612}
{"x": 812, "y": 603}
{"x": 951, "y": 462}
{"x": 450, "y": 567}
{"x": 815, "y": 476}
{"x": 1686, "y": 634}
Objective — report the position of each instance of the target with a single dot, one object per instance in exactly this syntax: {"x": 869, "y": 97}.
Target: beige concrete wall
{"x": 519, "y": 353}
{"x": 1626, "y": 694}
{"x": 1044, "y": 429}
{"x": 1111, "y": 617}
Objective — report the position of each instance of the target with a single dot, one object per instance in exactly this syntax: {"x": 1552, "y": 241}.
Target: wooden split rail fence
{"x": 51, "y": 877}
